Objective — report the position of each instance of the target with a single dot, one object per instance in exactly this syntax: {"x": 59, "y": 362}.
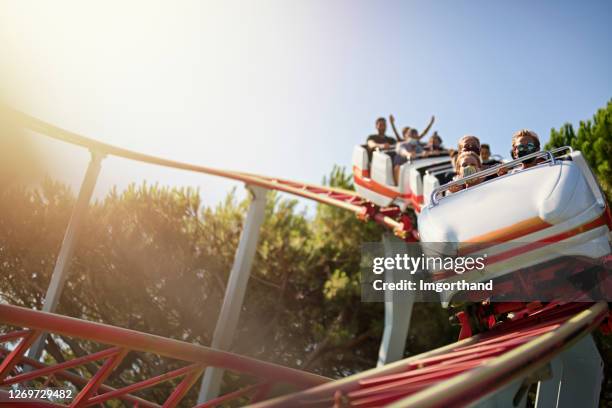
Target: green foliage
{"x": 594, "y": 140}
{"x": 153, "y": 259}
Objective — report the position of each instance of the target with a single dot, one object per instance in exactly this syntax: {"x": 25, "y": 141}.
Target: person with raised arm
{"x": 406, "y": 129}
{"x": 410, "y": 148}
{"x": 410, "y": 143}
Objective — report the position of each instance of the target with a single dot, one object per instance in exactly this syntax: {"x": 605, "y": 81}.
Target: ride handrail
{"x": 490, "y": 171}
{"x": 562, "y": 148}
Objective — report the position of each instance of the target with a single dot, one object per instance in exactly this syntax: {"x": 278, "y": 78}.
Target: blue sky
{"x": 288, "y": 87}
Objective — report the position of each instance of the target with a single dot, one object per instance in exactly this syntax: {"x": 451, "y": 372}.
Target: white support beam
{"x": 577, "y": 378}
{"x": 398, "y": 310}
{"x": 60, "y": 271}
{"x": 236, "y": 287}
{"x": 572, "y": 379}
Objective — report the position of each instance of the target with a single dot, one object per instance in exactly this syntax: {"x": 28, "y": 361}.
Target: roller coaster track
{"x": 460, "y": 373}
{"x": 456, "y": 374}
{"x": 122, "y": 341}
{"x": 341, "y": 198}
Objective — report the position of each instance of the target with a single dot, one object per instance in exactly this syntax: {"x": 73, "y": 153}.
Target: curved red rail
{"x": 456, "y": 374}
{"x": 346, "y": 199}
{"x": 122, "y": 341}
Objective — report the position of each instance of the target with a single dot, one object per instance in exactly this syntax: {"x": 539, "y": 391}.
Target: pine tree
{"x": 594, "y": 140}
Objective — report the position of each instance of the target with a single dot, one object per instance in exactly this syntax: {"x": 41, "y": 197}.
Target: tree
{"x": 594, "y": 140}
{"x": 154, "y": 259}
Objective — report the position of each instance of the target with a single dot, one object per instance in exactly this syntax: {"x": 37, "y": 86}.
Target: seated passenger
{"x": 453, "y": 156}
{"x": 485, "y": 156}
{"x": 380, "y": 140}
{"x": 467, "y": 143}
{"x": 434, "y": 144}
{"x": 524, "y": 142}
{"x": 467, "y": 163}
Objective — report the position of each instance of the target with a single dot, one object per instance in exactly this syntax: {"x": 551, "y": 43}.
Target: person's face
{"x": 406, "y": 133}
{"x": 524, "y": 145}
{"x": 470, "y": 144}
{"x": 485, "y": 154}
{"x": 435, "y": 142}
{"x": 413, "y": 134}
{"x": 381, "y": 126}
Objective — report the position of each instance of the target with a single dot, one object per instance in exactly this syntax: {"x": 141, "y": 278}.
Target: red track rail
{"x": 460, "y": 373}
{"x": 346, "y": 199}
{"x": 453, "y": 375}
{"x": 122, "y": 341}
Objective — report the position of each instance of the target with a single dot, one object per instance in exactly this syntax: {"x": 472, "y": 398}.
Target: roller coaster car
{"x": 374, "y": 179}
{"x": 515, "y": 217}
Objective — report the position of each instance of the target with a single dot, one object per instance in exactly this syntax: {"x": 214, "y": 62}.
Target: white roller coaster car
{"x": 374, "y": 179}
{"x": 515, "y": 217}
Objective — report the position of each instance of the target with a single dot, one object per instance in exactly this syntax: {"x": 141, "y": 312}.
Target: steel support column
{"x": 398, "y": 309}
{"x": 236, "y": 287}
{"x": 60, "y": 271}
{"x": 577, "y": 378}
{"x": 572, "y": 379}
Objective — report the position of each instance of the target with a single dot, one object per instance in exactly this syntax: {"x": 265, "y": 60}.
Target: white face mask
{"x": 469, "y": 170}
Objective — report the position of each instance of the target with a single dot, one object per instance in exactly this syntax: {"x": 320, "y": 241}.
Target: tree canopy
{"x": 594, "y": 140}
{"x": 154, "y": 259}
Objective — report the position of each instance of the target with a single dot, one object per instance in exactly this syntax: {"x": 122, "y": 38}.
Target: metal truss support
{"x": 60, "y": 271}
{"x": 398, "y": 309}
{"x": 236, "y": 287}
